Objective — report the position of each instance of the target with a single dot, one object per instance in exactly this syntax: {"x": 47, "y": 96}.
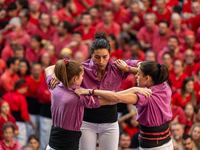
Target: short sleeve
{"x": 84, "y": 101}
{"x": 132, "y": 63}
{"x": 142, "y": 100}
{"x": 48, "y": 79}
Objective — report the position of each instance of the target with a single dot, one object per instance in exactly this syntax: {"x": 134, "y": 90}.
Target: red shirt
{"x": 131, "y": 131}
{"x": 81, "y": 48}
{"x": 54, "y": 59}
{"x": 198, "y": 35}
{"x": 195, "y": 23}
{"x": 43, "y": 94}
{"x": 139, "y": 56}
{"x": 119, "y": 16}
{"x": 63, "y": 16}
{"x": 197, "y": 68}
{"x": 46, "y": 35}
{"x": 7, "y": 52}
{"x": 197, "y": 90}
{"x": 166, "y": 16}
{"x": 113, "y": 29}
{"x": 147, "y": 35}
{"x": 7, "y": 81}
{"x": 17, "y": 102}
{"x": 196, "y": 49}
{"x": 187, "y": 8}
{"x": 2, "y": 66}
{"x": 2, "y": 121}
{"x": 30, "y": 28}
{"x": 80, "y": 7}
{"x": 129, "y": 82}
{"x": 169, "y": 5}
{"x": 60, "y": 44}
{"x": 89, "y": 35}
{"x": 189, "y": 70}
{"x": 178, "y": 111}
{"x": 177, "y": 83}
{"x": 31, "y": 56}
{"x": 117, "y": 54}
{"x": 33, "y": 86}
{"x": 33, "y": 20}
{"x": 43, "y": 7}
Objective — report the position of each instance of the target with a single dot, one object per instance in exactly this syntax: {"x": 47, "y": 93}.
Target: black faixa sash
{"x": 17, "y": 115}
{"x": 61, "y": 139}
{"x": 154, "y": 136}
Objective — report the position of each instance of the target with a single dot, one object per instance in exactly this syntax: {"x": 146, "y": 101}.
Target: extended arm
{"x": 49, "y": 70}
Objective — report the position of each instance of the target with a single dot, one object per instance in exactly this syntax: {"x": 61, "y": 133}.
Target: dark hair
{"x": 158, "y": 72}
{"x": 26, "y": 146}
{"x": 85, "y": 13}
{"x": 37, "y": 38}
{"x": 28, "y": 66}
{"x": 24, "y": 3}
{"x": 100, "y": 42}
{"x": 174, "y": 37}
{"x": 11, "y": 60}
{"x": 167, "y": 53}
{"x": 19, "y": 83}
{"x": 33, "y": 137}
{"x": 18, "y": 47}
{"x": 8, "y": 125}
{"x": 107, "y": 10}
{"x": 93, "y": 7}
{"x": 11, "y": 6}
{"x": 40, "y": 16}
{"x": 78, "y": 32}
{"x": 64, "y": 2}
{"x": 182, "y": 62}
{"x": 2, "y": 9}
{"x": 177, "y": 9}
{"x": 112, "y": 36}
{"x": 197, "y": 108}
{"x": 166, "y": 22}
{"x": 67, "y": 26}
{"x": 134, "y": 43}
{"x": 198, "y": 71}
{"x": 124, "y": 133}
{"x": 186, "y": 136}
{"x": 189, "y": 103}
{"x": 150, "y": 50}
{"x": 26, "y": 13}
{"x": 35, "y": 63}
{"x": 183, "y": 90}
{"x": 65, "y": 73}
{"x": 125, "y": 36}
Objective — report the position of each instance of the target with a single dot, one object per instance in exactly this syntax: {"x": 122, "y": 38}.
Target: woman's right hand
{"x": 146, "y": 92}
{"x": 54, "y": 81}
{"x": 81, "y": 91}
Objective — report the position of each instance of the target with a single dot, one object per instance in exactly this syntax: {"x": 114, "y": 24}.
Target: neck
{"x": 43, "y": 28}
{"x": 4, "y": 116}
{"x": 36, "y": 79}
{"x": 108, "y": 24}
{"x": 161, "y": 11}
{"x": 179, "y": 74}
{"x": 24, "y": 24}
{"x": 37, "y": 49}
{"x": 86, "y": 27}
{"x": 9, "y": 142}
{"x": 170, "y": 67}
{"x": 11, "y": 70}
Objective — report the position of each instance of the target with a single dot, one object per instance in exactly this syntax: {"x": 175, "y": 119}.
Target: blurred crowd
{"x": 34, "y": 34}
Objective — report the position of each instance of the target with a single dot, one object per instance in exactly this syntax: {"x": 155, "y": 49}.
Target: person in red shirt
{"x": 146, "y": 33}
{"x": 94, "y": 12}
{"x": 190, "y": 64}
{"x": 177, "y": 29}
{"x": 34, "y": 7}
{"x": 150, "y": 55}
{"x": 19, "y": 108}
{"x": 2, "y": 66}
{"x": 133, "y": 20}
{"x": 83, "y": 5}
{"x": 34, "y": 80}
{"x": 189, "y": 113}
{"x": 76, "y": 45}
{"x": 27, "y": 26}
{"x": 44, "y": 29}
{"x": 161, "y": 37}
{"x": 197, "y": 86}
{"x": 162, "y": 12}
{"x": 45, "y": 6}
{"x": 86, "y": 28}
{"x": 63, "y": 36}
{"x": 147, "y": 6}
{"x": 108, "y": 25}
{"x": 5, "y": 116}
{"x": 55, "y": 19}
{"x": 33, "y": 54}
{"x": 123, "y": 40}
{"x": 115, "y": 53}
{"x": 9, "y": 77}
{"x": 178, "y": 76}
{"x": 189, "y": 16}
{"x": 167, "y": 61}
{"x": 51, "y": 49}
{"x": 19, "y": 52}
{"x": 186, "y": 95}
{"x": 45, "y": 60}
{"x": 24, "y": 68}
{"x": 12, "y": 10}
{"x": 132, "y": 126}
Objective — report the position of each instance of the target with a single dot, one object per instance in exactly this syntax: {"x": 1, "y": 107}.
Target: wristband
{"x": 125, "y": 68}
{"x": 90, "y": 91}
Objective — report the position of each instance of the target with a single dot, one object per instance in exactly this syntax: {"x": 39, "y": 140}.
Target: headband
{"x": 66, "y": 61}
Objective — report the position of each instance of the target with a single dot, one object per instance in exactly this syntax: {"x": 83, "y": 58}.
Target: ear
{"x": 74, "y": 79}
{"x": 147, "y": 78}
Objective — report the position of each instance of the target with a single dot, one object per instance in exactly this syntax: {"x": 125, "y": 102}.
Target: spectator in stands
{"x": 190, "y": 64}
{"x": 178, "y": 76}
{"x": 34, "y": 7}
{"x": 108, "y": 25}
{"x": 2, "y": 67}
{"x": 86, "y": 29}
{"x": 63, "y": 36}
{"x": 12, "y": 10}
{"x": 131, "y": 127}
{"x": 162, "y": 13}
{"x": 189, "y": 113}
{"x": 79, "y": 56}
{"x": 44, "y": 29}
{"x": 3, "y": 13}
{"x": 195, "y": 134}
{"x": 8, "y": 142}
{"x": 27, "y": 26}
{"x": 45, "y": 60}
{"x": 35, "y": 51}
{"x": 94, "y": 12}
{"x": 188, "y": 142}
{"x": 45, "y": 6}
{"x": 66, "y": 53}
{"x": 177, "y": 134}
{"x": 9, "y": 77}
{"x": 150, "y": 55}
{"x": 24, "y": 68}
{"x": 115, "y": 52}
{"x": 124, "y": 141}
{"x": 51, "y": 49}
{"x": 189, "y": 17}
{"x": 77, "y": 45}
{"x": 19, "y": 52}
{"x": 177, "y": 29}
{"x": 146, "y": 33}
{"x": 146, "y": 6}
{"x": 55, "y": 19}
{"x": 197, "y": 114}
{"x": 27, "y": 147}
{"x": 161, "y": 37}
{"x": 167, "y": 60}
{"x": 33, "y": 81}
{"x": 5, "y": 116}
{"x": 33, "y": 141}
{"x": 197, "y": 85}
{"x": 123, "y": 41}
{"x": 19, "y": 108}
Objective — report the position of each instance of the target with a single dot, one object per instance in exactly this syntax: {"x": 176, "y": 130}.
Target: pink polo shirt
{"x": 155, "y": 110}
{"x": 15, "y": 145}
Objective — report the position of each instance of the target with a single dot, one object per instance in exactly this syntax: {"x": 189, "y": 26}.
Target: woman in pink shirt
{"x": 154, "y": 112}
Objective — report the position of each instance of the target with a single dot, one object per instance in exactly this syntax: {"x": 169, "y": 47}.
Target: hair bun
{"x": 100, "y": 35}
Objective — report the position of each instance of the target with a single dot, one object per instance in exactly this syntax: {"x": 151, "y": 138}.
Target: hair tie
{"x": 66, "y": 61}
{"x": 159, "y": 66}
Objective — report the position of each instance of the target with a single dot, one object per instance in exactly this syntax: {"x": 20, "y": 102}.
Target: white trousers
{"x": 108, "y": 136}
{"x": 21, "y": 137}
{"x": 49, "y": 148}
{"x": 167, "y": 146}
{"x": 45, "y": 130}
{"x": 29, "y": 128}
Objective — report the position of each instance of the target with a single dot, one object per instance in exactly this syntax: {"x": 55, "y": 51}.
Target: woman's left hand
{"x": 81, "y": 91}
{"x": 121, "y": 64}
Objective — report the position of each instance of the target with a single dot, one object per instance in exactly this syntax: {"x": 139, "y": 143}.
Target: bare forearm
{"x": 49, "y": 70}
